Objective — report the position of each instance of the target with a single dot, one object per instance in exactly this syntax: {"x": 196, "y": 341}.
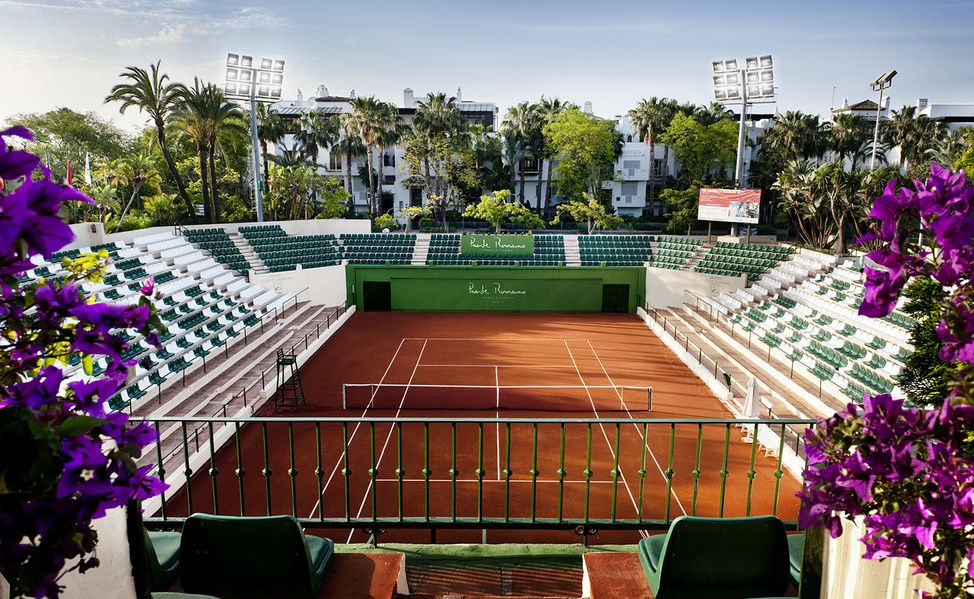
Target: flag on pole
{"x": 67, "y": 177}
{"x": 47, "y": 157}
{"x": 87, "y": 169}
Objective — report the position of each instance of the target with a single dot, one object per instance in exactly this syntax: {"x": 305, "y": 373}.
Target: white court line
{"x": 389, "y": 436}
{"x": 604, "y": 434}
{"x": 338, "y": 462}
{"x": 638, "y": 431}
{"x": 539, "y": 366}
{"x": 504, "y": 339}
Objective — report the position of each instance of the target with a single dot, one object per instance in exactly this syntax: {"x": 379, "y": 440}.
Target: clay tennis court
{"x": 489, "y": 469}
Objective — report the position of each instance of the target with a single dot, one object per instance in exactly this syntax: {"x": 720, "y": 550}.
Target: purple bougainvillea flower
{"x": 147, "y": 287}
{"x": 889, "y": 207}
{"x": 44, "y": 230}
{"x": 38, "y": 392}
{"x": 14, "y": 214}
{"x": 16, "y": 163}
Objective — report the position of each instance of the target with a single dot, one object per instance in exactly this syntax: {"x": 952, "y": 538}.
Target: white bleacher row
{"x": 225, "y": 298}
{"x": 786, "y": 274}
{"x": 885, "y": 345}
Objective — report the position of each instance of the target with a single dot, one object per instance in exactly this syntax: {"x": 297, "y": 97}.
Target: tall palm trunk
{"x": 369, "y": 180}
{"x": 205, "y": 185}
{"x": 652, "y": 164}
{"x": 547, "y": 185}
{"x": 520, "y": 170}
{"x": 135, "y": 194}
{"x": 214, "y": 195}
{"x": 348, "y": 172}
{"x": 161, "y": 137}
{"x": 666, "y": 169}
{"x": 537, "y": 186}
{"x": 263, "y": 154}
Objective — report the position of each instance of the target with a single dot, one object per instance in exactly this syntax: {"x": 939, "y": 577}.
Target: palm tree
{"x": 136, "y": 171}
{"x": 521, "y": 121}
{"x": 807, "y": 209}
{"x": 649, "y": 119}
{"x": 437, "y": 120}
{"x": 151, "y": 92}
{"x": 371, "y": 120}
{"x": 286, "y": 156}
{"x": 948, "y": 148}
{"x": 205, "y": 111}
{"x": 711, "y": 113}
{"x": 846, "y": 134}
{"x": 317, "y": 131}
{"x": 913, "y": 134}
{"x": 796, "y": 135}
{"x": 548, "y": 109}
{"x": 349, "y": 146}
{"x": 270, "y": 129}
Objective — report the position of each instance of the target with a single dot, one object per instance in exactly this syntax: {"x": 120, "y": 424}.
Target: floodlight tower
{"x": 753, "y": 84}
{"x": 879, "y": 84}
{"x": 257, "y": 83}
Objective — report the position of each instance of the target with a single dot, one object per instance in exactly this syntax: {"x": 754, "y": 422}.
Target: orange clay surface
{"x": 495, "y": 349}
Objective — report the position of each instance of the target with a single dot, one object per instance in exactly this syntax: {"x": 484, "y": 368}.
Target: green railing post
{"x": 723, "y": 469}
{"x": 160, "y": 468}
{"x": 373, "y": 471}
{"x": 267, "y": 468}
{"x": 292, "y": 472}
{"x": 534, "y": 473}
{"x": 696, "y": 471}
{"x": 588, "y": 470}
{"x": 346, "y": 473}
{"x": 480, "y": 472}
{"x": 642, "y": 470}
{"x": 615, "y": 473}
{"x": 213, "y": 471}
{"x": 187, "y": 471}
{"x": 319, "y": 471}
{"x": 507, "y": 474}
{"x": 426, "y": 467}
{"x": 751, "y": 472}
{"x": 453, "y": 471}
{"x": 399, "y": 470}
{"x": 778, "y": 472}
{"x": 561, "y": 474}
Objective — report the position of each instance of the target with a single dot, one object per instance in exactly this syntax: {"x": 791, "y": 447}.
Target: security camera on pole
{"x": 879, "y": 84}
{"x": 263, "y": 83}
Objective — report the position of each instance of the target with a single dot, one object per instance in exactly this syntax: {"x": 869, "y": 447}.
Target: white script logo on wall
{"x": 489, "y": 243}
{"x": 496, "y": 289}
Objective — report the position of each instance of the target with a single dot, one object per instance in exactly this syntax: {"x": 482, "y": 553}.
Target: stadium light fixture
{"x": 752, "y": 84}
{"x": 260, "y": 81}
{"x": 879, "y": 84}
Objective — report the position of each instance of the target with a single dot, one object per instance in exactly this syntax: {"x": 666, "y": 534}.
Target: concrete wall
{"x": 325, "y": 286}
{"x": 845, "y": 574}
{"x": 86, "y": 234}
{"x": 665, "y": 287}
{"x": 112, "y": 579}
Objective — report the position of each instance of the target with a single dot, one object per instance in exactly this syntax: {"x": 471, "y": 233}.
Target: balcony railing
{"x": 378, "y": 473}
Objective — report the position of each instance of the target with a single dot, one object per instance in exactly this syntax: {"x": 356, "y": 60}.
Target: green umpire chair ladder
{"x": 290, "y": 394}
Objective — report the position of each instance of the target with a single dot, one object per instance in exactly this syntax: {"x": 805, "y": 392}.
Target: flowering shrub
{"x": 64, "y": 459}
{"x": 908, "y": 472}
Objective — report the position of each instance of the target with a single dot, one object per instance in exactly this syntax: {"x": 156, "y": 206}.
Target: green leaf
{"x": 77, "y": 425}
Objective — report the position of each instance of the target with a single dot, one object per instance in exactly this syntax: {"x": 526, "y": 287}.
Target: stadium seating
{"x": 674, "y": 252}
{"x": 280, "y": 251}
{"x": 220, "y": 246}
{"x": 377, "y": 248}
{"x": 615, "y": 250}
{"x": 734, "y": 259}
{"x": 444, "y": 250}
{"x": 202, "y": 304}
{"x": 814, "y": 320}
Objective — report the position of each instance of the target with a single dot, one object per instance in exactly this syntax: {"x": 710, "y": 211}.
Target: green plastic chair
{"x": 162, "y": 551}
{"x": 796, "y": 554}
{"x": 717, "y": 558}
{"x": 252, "y": 556}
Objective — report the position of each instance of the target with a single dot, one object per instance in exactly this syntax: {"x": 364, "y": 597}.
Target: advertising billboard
{"x": 497, "y": 245}
{"x": 729, "y": 205}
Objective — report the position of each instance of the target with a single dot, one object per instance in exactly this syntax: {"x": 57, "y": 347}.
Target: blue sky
{"x": 69, "y": 53}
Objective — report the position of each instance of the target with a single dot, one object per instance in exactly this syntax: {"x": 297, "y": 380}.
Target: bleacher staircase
{"x": 421, "y": 249}
{"x": 256, "y": 264}
{"x": 572, "y": 253}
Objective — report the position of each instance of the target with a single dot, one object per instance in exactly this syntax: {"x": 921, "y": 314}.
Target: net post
{"x": 649, "y": 399}
{"x": 344, "y": 396}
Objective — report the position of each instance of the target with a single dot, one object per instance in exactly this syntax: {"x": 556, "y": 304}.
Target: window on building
{"x": 629, "y": 189}
{"x": 389, "y": 160}
{"x": 629, "y": 138}
{"x": 291, "y": 124}
{"x": 388, "y": 179}
{"x": 529, "y": 165}
{"x": 335, "y": 162}
{"x": 416, "y": 196}
{"x": 658, "y": 168}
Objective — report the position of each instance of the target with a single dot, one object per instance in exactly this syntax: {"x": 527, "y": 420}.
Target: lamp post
{"x": 753, "y": 84}
{"x": 261, "y": 82}
{"x": 879, "y": 84}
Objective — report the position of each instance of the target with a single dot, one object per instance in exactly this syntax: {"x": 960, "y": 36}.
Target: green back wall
{"x": 493, "y": 289}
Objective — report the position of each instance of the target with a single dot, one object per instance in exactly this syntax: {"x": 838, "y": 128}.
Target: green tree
{"x": 796, "y": 135}
{"x": 151, "y": 92}
{"x": 846, "y": 134}
{"x": 681, "y": 207}
{"x": 924, "y": 377}
{"x": 293, "y": 191}
{"x": 705, "y": 152}
{"x": 374, "y": 122}
{"x": 586, "y": 148}
{"x": 135, "y": 172}
{"x": 547, "y": 109}
{"x": 650, "y": 118}
{"x": 412, "y": 212}
{"x": 317, "y": 131}
{"x": 62, "y": 132}
{"x": 270, "y": 130}
{"x": 520, "y": 125}
{"x": 591, "y": 211}
{"x": 497, "y": 208}
{"x": 913, "y": 134}
{"x": 332, "y": 198}
{"x": 164, "y": 209}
